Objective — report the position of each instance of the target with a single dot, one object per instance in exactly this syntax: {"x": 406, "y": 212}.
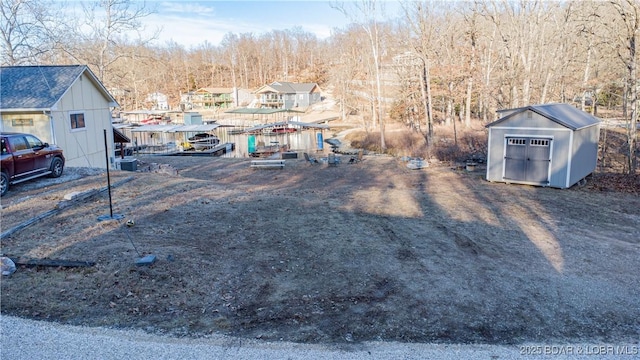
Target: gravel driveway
{"x": 27, "y": 339}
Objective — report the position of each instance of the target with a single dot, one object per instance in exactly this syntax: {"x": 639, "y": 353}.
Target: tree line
{"x": 434, "y": 61}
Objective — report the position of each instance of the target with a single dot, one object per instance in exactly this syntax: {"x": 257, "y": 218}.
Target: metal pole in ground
{"x": 106, "y": 157}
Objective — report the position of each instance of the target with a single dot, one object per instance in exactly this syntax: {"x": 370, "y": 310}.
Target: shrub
{"x": 471, "y": 143}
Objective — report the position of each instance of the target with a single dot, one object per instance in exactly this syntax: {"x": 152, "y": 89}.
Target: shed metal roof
{"x": 563, "y": 114}
{"x": 119, "y": 137}
{"x": 281, "y": 123}
{"x": 39, "y": 88}
{"x": 175, "y": 128}
{"x": 261, "y": 111}
{"x": 309, "y": 125}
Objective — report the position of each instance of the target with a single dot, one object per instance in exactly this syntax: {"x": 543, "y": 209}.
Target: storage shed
{"x": 552, "y": 145}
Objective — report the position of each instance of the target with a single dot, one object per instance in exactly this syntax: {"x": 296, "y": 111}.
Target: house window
{"x": 77, "y": 121}
{"x": 514, "y": 141}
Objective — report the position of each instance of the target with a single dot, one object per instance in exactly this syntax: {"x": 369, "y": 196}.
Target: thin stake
{"x": 126, "y": 231}
{"x": 106, "y": 157}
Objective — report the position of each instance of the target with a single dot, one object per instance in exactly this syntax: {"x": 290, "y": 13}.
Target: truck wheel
{"x": 4, "y": 184}
{"x": 56, "y": 167}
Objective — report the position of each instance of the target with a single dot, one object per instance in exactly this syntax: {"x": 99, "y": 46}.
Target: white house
{"x": 64, "y": 105}
{"x": 158, "y": 101}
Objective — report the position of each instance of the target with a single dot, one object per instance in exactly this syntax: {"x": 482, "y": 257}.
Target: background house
{"x": 63, "y": 105}
{"x": 208, "y": 98}
{"x": 242, "y": 97}
{"x": 287, "y": 95}
{"x": 211, "y": 98}
{"x": 215, "y": 98}
{"x": 552, "y": 145}
{"x": 158, "y": 101}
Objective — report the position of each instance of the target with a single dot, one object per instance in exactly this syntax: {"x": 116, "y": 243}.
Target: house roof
{"x": 563, "y": 114}
{"x": 39, "y": 88}
{"x": 283, "y": 87}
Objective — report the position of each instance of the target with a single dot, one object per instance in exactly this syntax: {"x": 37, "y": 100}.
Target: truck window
{"x": 33, "y": 141}
{"x": 18, "y": 143}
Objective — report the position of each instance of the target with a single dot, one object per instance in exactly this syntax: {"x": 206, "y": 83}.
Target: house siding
{"x": 52, "y": 94}
{"x": 85, "y": 147}
{"x": 288, "y": 95}
{"x": 41, "y": 126}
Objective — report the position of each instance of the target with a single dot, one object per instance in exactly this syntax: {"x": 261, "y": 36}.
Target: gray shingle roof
{"x": 563, "y": 114}
{"x": 292, "y": 88}
{"x": 35, "y": 87}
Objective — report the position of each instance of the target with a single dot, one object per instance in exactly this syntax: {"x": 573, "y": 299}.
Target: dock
{"x": 217, "y": 150}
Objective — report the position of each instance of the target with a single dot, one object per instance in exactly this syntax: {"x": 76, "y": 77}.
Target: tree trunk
{"x": 585, "y": 78}
{"x": 450, "y": 116}
{"x": 633, "y": 78}
{"x": 467, "y": 106}
{"x": 467, "y": 112}
{"x": 429, "y": 99}
{"x": 375, "y": 46}
{"x": 426, "y": 102}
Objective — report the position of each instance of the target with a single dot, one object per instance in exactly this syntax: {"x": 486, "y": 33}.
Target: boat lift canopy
{"x": 261, "y": 111}
{"x": 281, "y": 123}
{"x": 308, "y": 125}
{"x": 175, "y": 128}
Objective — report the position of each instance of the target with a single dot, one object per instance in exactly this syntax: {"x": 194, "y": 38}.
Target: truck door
{"x": 40, "y": 163}
{"x": 23, "y": 155}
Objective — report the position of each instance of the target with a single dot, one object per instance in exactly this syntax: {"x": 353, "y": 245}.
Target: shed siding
{"x": 529, "y": 124}
{"x": 560, "y": 158}
{"x": 573, "y": 150}
{"x": 585, "y": 153}
{"x": 560, "y": 145}
{"x": 523, "y": 121}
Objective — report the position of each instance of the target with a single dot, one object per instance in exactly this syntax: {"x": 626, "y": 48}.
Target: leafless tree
{"x": 102, "y": 39}
{"x": 423, "y": 23}
{"x": 28, "y": 30}
{"x": 629, "y": 16}
{"x": 368, "y": 11}
{"x": 346, "y": 70}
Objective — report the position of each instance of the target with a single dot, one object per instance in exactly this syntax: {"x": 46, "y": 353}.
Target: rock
{"x": 7, "y": 265}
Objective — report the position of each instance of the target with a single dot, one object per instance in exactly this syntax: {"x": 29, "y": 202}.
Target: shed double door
{"x": 527, "y": 159}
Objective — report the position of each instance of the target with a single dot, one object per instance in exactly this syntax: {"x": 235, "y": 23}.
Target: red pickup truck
{"x": 25, "y": 157}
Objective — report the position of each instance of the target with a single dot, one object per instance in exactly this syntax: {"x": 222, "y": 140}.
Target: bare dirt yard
{"x": 311, "y": 253}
